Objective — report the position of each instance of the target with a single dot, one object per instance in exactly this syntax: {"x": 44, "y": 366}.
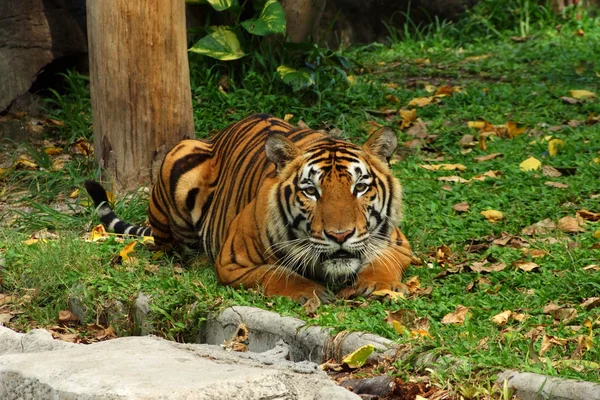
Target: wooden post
{"x": 140, "y": 85}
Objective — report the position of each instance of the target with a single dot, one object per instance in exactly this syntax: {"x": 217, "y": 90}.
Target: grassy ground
{"x": 502, "y": 79}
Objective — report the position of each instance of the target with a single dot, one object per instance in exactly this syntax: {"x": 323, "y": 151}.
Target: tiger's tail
{"x": 108, "y": 216}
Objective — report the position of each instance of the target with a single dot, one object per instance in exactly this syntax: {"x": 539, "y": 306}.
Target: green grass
{"x": 518, "y": 81}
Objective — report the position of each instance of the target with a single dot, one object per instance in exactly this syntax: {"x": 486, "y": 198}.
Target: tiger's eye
{"x": 310, "y": 191}
{"x": 361, "y": 187}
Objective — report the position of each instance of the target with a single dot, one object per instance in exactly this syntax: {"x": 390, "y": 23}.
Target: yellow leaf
{"x": 421, "y": 101}
{"x": 579, "y": 32}
{"x": 147, "y": 239}
{"x": 74, "y": 194}
{"x": 98, "y": 233}
{"x": 430, "y": 88}
{"x": 408, "y": 116}
{"x": 391, "y": 85}
{"x": 582, "y": 94}
{"x": 597, "y": 233}
{"x": 111, "y": 197}
{"x": 452, "y": 178}
{"x": 419, "y": 333}
{"x": 492, "y": 215}
{"x": 389, "y": 293}
{"x": 554, "y": 145}
{"x": 351, "y": 79}
{"x": 476, "y": 124}
{"x": 596, "y": 161}
{"x": 124, "y": 253}
{"x": 158, "y": 255}
{"x": 443, "y": 167}
{"x": 52, "y": 151}
{"x": 513, "y": 129}
{"x": 288, "y": 117}
{"x": 531, "y": 164}
{"x": 357, "y": 358}
{"x": 31, "y": 241}
{"x": 398, "y": 327}
{"x": 392, "y": 99}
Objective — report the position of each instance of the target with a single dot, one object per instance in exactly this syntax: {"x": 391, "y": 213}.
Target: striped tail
{"x": 108, "y": 216}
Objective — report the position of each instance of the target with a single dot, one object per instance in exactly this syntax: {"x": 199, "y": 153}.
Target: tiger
{"x": 288, "y": 210}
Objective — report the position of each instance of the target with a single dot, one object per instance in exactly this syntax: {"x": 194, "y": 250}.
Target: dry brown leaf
{"x": 443, "y": 254}
{"x": 519, "y": 317}
{"x": 550, "y": 171}
{"x": 592, "y": 267}
{"x": 591, "y": 302}
{"x": 418, "y": 130}
{"x": 236, "y": 343}
{"x": 443, "y": 167}
{"x": 392, "y": 99}
{"x": 570, "y": 225}
{"x": 413, "y": 284}
{"x": 492, "y": 215}
{"x": 535, "y": 253}
{"x": 588, "y": 215}
{"x": 556, "y": 184}
{"x": 526, "y": 266}
{"x": 539, "y": 228}
{"x": 457, "y": 317}
{"x": 485, "y": 175}
{"x": 453, "y": 178}
{"x": 484, "y": 266}
{"x": 548, "y": 341}
{"x": 569, "y": 100}
{"x": 562, "y": 314}
{"x": 388, "y": 293}
{"x": 535, "y": 333}
{"x": 488, "y": 157}
{"x": 66, "y": 317}
{"x": 502, "y": 318}
{"x": 461, "y": 207}
{"x": 311, "y": 305}
{"x": 467, "y": 141}
{"x": 411, "y": 144}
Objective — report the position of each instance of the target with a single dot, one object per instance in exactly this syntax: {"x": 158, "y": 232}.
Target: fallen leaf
{"x": 443, "y": 167}
{"x": 66, "y": 317}
{"x": 539, "y": 228}
{"x": 550, "y": 171}
{"x": 357, "y": 358}
{"x": 98, "y": 233}
{"x": 388, "y": 293}
{"x": 124, "y": 253}
{"x": 582, "y": 94}
{"x": 5, "y": 318}
{"x": 579, "y": 32}
{"x": 485, "y": 266}
{"x": 413, "y": 284}
{"x": 558, "y": 185}
{"x": 569, "y": 100}
{"x": 311, "y": 305}
{"x": 52, "y": 151}
{"x": 488, "y": 157}
{"x": 288, "y": 117}
{"x": 570, "y": 225}
{"x": 554, "y": 145}
{"x": 418, "y": 130}
{"x": 457, "y": 317}
{"x": 492, "y": 215}
{"x": 467, "y": 141}
{"x": 477, "y": 124}
{"x": 531, "y": 164}
{"x": 485, "y": 175}
{"x": 408, "y": 117}
{"x": 461, "y": 207}
{"x": 236, "y": 343}
{"x": 526, "y": 266}
{"x": 562, "y": 314}
{"x": 548, "y": 341}
{"x": 588, "y": 215}
{"x": 422, "y": 101}
{"x": 514, "y": 130}
{"x": 535, "y": 253}
{"x": 591, "y": 302}
{"x": 476, "y": 58}
{"x": 502, "y": 318}
{"x": 452, "y": 178}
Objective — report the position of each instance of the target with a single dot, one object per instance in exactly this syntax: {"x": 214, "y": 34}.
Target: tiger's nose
{"x": 339, "y": 237}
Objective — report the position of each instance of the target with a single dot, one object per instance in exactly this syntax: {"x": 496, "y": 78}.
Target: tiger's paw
{"x": 367, "y": 288}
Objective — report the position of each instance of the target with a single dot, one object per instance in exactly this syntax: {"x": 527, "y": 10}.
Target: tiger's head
{"x": 334, "y": 205}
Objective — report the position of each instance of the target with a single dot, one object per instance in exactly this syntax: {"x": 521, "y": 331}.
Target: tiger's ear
{"x": 382, "y": 143}
{"x": 280, "y": 150}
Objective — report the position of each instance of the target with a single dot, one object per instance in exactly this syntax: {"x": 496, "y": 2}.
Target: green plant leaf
{"x": 297, "y": 78}
{"x": 358, "y": 358}
{"x": 221, "y": 5}
{"x": 270, "y": 21}
{"x": 222, "y": 44}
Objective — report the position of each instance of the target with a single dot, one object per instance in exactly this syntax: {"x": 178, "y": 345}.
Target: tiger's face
{"x": 337, "y": 204}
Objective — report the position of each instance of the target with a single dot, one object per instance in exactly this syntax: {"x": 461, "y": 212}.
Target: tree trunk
{"x": 140, "y": 85}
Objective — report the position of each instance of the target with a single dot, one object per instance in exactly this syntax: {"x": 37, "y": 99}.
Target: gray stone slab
{"x": 152, "y": 368}
{"x": 529, "y": 386}
{"x": 311, "y": 343}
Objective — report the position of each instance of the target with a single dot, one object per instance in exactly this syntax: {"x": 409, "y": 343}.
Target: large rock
{"x": 33, "y": 34}
{"x": 152, "y": 368}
